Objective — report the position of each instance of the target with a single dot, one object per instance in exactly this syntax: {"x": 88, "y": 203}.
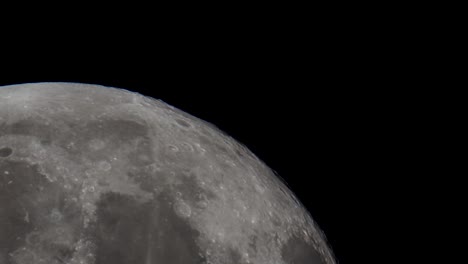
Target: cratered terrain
{"x": 98, "y": 175}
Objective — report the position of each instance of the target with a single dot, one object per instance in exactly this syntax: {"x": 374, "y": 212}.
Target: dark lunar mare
{"x": 297, "y": 251}
{"x": 35, "y": 214}
{"x": 130, "y": 231}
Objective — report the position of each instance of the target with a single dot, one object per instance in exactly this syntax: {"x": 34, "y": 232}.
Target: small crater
{"x": 33, "y": 238}
{"x": 56, "y": 215}
{"x": 104, "y": 165}
{"x": 221, "y": 148}
{"x": 173, "y": 148}
{"x": 239, "y": 153}
{"x": 186, "y": 147}
{"x": 63, "y": 253}
{"x": 5, "y": 152}
{"x": 96, "y": 144}
{"x": 202, "y": 204}
{"x": 183, "y": 123}
{"x": 200, "y": 149}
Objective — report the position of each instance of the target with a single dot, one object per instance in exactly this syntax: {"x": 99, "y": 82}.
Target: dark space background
{"x": 308, "y": 95}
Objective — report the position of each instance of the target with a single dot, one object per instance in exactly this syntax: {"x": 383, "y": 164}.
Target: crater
{"x": 105, "y": 166}
{"x": 185, "y": 146}
{"x": 173, "y": 148}
{"x": 96, "y": 144}
{"x": 33, "y": 238}
{"x": 5, "y": 152}
{"x": 183, "y": 123}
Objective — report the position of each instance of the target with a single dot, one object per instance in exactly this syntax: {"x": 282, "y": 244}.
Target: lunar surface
{"x": 98, "y": 175}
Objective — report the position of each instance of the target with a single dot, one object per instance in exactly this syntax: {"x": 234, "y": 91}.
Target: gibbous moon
{"x": 98, "y": 175}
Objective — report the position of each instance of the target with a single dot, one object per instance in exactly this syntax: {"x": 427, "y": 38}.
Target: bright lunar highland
{"x": 98, "y": 175}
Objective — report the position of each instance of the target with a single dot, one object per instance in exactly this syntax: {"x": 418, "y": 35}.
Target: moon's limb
{"x": 97, "y": 175}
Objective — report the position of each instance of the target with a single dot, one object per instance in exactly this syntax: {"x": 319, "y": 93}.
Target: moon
{"x": 99, "y": 175}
